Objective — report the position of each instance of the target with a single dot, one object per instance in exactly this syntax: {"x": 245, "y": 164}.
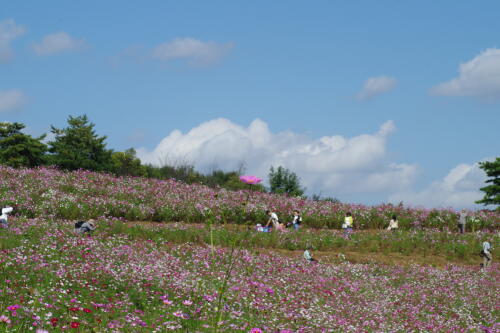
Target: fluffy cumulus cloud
{"x": 11, "y": 100}
{"x": 376, "y": 86}
{"x": 191, "y": 49}
{"x": 330, "y": 164}
{"x": 9, "y": 31}
{"x": 479, "y": 77}
{"x": 458, "y": 189}
{"x": 56, "y": 43}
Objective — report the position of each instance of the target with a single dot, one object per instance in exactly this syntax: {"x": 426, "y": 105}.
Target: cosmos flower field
{"x": 55, "y": 280}
{"x": 202, "y": 278}
{"x": 83, "y": 194}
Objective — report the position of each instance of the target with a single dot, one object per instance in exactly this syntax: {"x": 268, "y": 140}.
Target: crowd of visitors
{"x": 274, "y": 224}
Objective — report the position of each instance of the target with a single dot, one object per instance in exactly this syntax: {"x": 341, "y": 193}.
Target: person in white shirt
{"x": 5, "y": 216}
{"x": 462, "y": 221}
{"x": 393, "y": 223}
{"x": 273, "y": 218}
{"x": 486, "y": 254}
{"x": 308, "y": 255}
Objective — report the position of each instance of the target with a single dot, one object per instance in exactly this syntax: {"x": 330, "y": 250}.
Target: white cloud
{"x": 11, "y": 100}
{"x": 192, "y": 49}
{"x": 9, "y": 31}
{"x": 56, "y": 43}
{"x": 330, "y": 164}
{"x": 376, "y": 86}
{"x": 458, "y": 189}
{"x": 479, "y": 77}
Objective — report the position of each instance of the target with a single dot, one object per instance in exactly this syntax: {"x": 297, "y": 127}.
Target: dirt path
{"x": 370, "y": 258}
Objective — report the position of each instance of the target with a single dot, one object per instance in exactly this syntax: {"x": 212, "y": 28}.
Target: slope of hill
{"x": 82, "y": 194}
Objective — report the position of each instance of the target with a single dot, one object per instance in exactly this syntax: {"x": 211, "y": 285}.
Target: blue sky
{"x": 380, "y": 82}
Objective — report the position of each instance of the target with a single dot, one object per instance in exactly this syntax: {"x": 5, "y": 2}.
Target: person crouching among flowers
{"x": 85, "y": 227}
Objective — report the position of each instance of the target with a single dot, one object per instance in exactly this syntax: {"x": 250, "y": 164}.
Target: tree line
{"x": 78, "y": 146}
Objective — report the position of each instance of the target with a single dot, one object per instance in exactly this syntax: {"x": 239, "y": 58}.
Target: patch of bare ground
{"x": 391, "y": 259}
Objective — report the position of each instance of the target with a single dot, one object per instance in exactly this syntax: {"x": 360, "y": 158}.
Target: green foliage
{"x": 183, "y": 172}
{"x": 492, "y": 192}
{"x": 284, "y": 181}
{"x": 229, "y": 180}
{"x": 126, "y": 163}
{"x": 186, "y": 173}
{"x": 319, "y": 197}
{"x": 78, "y": 147}
{"x": 18, "y": 149}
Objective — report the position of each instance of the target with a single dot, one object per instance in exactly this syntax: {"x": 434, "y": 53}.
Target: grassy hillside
{"x": 83, "y": 194}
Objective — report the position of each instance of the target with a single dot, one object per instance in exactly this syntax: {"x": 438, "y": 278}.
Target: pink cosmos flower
{"x": 181, "y": 315}
{"x": 251, "y": 180}
{"x": 208, "y": 298}
{"x": 13, "y": 307}
{"x": 187, "y": 302}
{"x": 41, "y": 331}
{"x": 4, "y": 319}
{"x": 256, "y": 330}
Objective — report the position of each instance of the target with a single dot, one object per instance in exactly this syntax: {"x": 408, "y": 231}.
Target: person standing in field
{"x": 486, "y": 254}
{"x": 348, "y": 223}
{"x": 273, "y": 218}
{"x": 461, "y": 221}
{"x": 297, "y": 220}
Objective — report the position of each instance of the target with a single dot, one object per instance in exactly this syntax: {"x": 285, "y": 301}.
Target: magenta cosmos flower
{"x": 251, "y": 180}
{"x": 255, "y": 330}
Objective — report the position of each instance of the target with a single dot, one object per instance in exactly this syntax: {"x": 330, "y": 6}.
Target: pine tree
{"x": 18, "y": 149}
{"x": 79, "y": 147}
{"x": 492, "y": 192}
{"x": 283, "y": 180}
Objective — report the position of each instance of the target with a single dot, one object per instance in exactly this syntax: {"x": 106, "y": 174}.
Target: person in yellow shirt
{"x": 348, "y": 223}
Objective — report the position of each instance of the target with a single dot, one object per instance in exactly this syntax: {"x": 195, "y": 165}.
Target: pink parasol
{"x": 250, "y": 180}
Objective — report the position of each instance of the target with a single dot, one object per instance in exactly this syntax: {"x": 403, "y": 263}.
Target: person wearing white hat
{"x": 83, "y": 227}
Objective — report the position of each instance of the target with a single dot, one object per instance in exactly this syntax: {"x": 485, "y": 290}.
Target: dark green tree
{"x": 18, "y": 149}
{"x": 127, "y": 164}
{"x": 283, "y": 180}
{"x": 492, "y": 191}
{"x": 79, "y": 147}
